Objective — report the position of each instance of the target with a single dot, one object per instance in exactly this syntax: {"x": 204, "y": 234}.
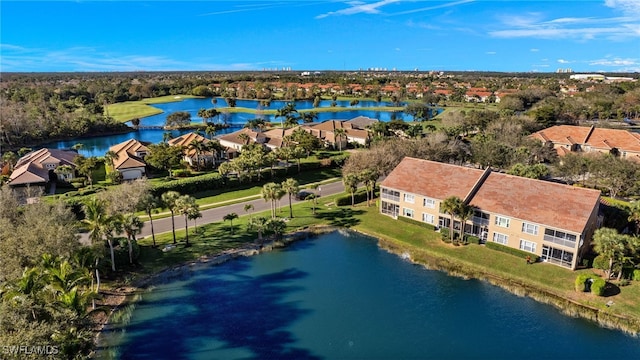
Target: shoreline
{"x": 126, "y": 295}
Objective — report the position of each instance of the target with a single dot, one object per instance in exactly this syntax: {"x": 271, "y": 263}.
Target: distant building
{"x": 568, "y": 138}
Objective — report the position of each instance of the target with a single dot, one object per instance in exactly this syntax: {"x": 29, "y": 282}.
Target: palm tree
{"x": 169, "y": 202}
{"x": 202, "y": 113}
{"x": 259, "y": 225}
{"x": 351, "y": 182}
{"x": 450, "y": 206}
{"x": 313, "y": 199}
{"x": 272, "y": 192}
{"x": 245, "y": 138}
{"x": 634, "y": 215}
{"x": 10, "y": 158}
{"x": 110, "y": 156}
{"x": 277, "y": 227}
{"x": 166, "y": 137}
{"x": 290, "y": 187}
{"x": 230, "y": 217}
{"x": 186, "y": 205}
{"x": 247, "y": 208}
{"x": 339, "y": 134}
{"x": 308, "y": 116}
{"x": 465, "y": 212}
{"x": 148, "y": 203}
{"x": 194, "y": 215}
{"x": 607, "y": 242}
{"x": 132, "y": 225}
{"x": 210, "y": 130}
{"x": 64, "y": 170}
{"x": 199, "y": 147}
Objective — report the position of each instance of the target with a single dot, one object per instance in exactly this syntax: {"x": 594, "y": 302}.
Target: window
{"x": 390, "y": 194}
{"x": 410, "y": 198}
{"x": 429, "y": 203}
{"x": 502, "y": 221}
{"x": 500, "y": 238}
{"x": 407, "y": 212}
{"x": 527, "y": 246}
{"x": 529, "y": 228}
{"x": 428, "y": 218}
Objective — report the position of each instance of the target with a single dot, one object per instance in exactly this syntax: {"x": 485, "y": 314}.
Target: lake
{"x": 339, "y": 296}
{"x": 98, "y": 146}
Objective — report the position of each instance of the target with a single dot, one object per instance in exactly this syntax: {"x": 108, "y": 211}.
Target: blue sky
{"x": 456, "y": 35}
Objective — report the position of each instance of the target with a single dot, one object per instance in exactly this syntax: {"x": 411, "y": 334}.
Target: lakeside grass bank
{"x": 545, "y": 283}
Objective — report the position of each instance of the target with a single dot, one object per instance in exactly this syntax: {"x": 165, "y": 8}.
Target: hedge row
{"x": 345, "y": 200}
{"x": 416, "y": 222}
{"x": 580, "y": 283}
{"x": 512, "y": 251}
{"x": 190, "y": 185}
{"x": 598, "y": 286}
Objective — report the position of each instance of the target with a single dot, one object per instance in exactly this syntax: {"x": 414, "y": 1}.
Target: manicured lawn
{"x": 129, "y": 110}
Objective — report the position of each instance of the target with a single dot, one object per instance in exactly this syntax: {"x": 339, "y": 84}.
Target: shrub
{"x": 416, "y": 222}
{"x": 515, "y": 252}
{"x": 601, "y": 262}
{"x": 473, "y": 239}
{"x": 598, "y": 286}
{"x": 190, "y": 185}
{"x": 580, "y": 283}
{"x": 636, "y": 275}
{"x": 446, "y": 236}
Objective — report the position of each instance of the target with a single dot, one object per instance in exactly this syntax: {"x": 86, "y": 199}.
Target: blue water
{"x": 98, "y": 146}
{"x": 341, "y": 297}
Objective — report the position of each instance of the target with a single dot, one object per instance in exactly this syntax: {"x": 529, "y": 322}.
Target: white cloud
{"x": 615, "y": 62}
{"x": 358, "y": 7}
{"x": 628, "y": 7}
{"x": 455, "y": 3}
{"x": 563, "y": 61}
{"x": 490, "y": 53}
{"x": 534, "y": 50}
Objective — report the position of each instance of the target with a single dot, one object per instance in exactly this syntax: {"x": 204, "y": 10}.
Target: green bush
{"x": 515, "y": 252}
{"x": 345, "y": 200}
{"x": 190, "y": 185}
{"x": 580, "y": 283}
{"x": 416, "y": 222}
{"x": 598, "y": 286}
{"x": 446, "y": 236}
{"x": 601, "y": 262}
{"x": 636, "y": 275}
{"x": 473, "y": 239}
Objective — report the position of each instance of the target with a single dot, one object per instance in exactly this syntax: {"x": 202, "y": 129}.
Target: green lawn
{"x": 129, "y": 110}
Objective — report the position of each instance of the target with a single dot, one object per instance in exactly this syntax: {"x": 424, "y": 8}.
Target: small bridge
{"x": 148, "y": 127}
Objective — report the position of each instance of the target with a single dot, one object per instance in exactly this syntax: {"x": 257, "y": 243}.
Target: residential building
{"x": 553, "y": 221}
{"x": 192, "y": 154}
{"x": 129, "y": 159}
{"x": 38, "y": 167}
{"x": 569, "y": 138}
{"x": 326, "y": 132}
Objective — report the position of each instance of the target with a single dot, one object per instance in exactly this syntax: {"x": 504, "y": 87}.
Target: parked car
{"x": 302, "y": 195}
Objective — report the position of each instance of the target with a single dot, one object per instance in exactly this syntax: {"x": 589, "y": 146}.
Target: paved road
{"x": 216, "y": 214}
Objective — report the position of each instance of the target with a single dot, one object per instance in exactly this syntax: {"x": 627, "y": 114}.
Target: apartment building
{"x": 553, "y": 221}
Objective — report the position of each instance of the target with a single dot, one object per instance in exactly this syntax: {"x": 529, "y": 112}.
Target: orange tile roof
{"x": 126, "y": 154}
{"x": 432, "y": 179}
{"x": 599, "y": 138}
{"x": 542, "y": 202}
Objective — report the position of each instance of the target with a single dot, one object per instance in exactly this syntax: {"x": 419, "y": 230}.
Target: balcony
{"x": 560, "y": 241}
{"x": 480, "y": 221}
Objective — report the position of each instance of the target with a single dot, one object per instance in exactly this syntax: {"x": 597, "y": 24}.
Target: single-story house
{"x": 129, "y": 159}
{"x": 38, "y": 167}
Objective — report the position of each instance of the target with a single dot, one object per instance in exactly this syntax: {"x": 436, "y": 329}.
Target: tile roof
{"x": 432, "y": 179}
{"x": 186, "y": 139}
{"x": 538, "y": 201}
{"x": 542, "y": 202}
{"x": 29, "y": 169}
{"x": 126, "y": 154}
{"x": 599, "y": 138}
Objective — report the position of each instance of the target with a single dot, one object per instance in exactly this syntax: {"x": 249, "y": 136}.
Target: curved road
{"x": 163, "y": 225}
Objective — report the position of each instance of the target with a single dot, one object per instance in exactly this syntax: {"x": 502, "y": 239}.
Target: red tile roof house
{"x": 325, "y": 131}
{"x": 568, "y": 138}
{"x": 553, "y": 221}
{"x": 129, "y": 159}
{"x": 37, "y": 168}
{"x": 190, "y": 154}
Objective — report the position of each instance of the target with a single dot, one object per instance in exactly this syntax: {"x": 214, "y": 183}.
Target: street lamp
{"x": 319, "y": 191}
